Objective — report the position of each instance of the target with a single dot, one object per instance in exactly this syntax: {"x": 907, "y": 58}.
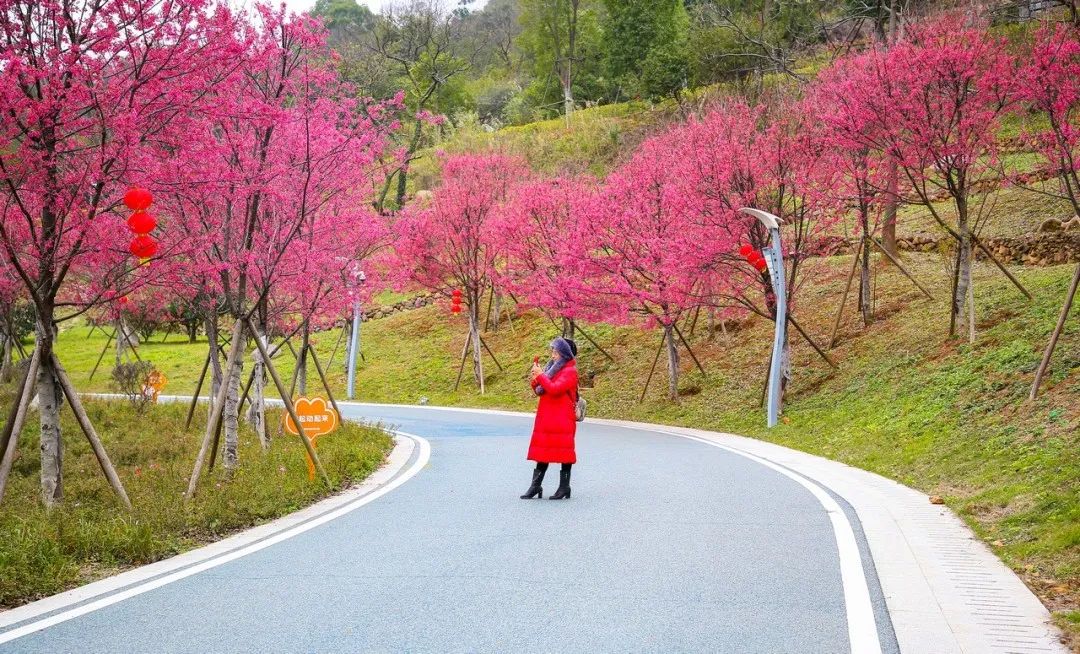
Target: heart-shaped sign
{"x": 317, "y": 418}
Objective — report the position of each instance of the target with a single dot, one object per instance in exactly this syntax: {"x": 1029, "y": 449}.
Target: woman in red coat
{"x": 556, "y": 422}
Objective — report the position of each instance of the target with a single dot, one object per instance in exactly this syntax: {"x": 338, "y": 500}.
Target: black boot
{"x": 564, "y": 483}
{"x": 538, "y": 476}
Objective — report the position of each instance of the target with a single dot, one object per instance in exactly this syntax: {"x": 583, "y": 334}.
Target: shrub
{"x": 133, "y": 380}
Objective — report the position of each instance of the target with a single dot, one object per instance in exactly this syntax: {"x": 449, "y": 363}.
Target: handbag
{"x": 580, "y": 406}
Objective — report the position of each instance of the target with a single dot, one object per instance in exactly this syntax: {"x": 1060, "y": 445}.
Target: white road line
{"x": 421, "y": 461}
{"x": 862, "y": 625}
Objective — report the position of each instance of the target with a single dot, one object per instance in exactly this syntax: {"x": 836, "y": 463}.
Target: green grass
{"x": 91, "y": 535}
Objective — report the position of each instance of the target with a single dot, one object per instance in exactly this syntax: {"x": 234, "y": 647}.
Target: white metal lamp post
{"x": 774, "y": 257}
{"x": 354, "y": 340}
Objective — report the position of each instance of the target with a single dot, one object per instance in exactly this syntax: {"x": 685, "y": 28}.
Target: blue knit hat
{"x": 564, "y": 349}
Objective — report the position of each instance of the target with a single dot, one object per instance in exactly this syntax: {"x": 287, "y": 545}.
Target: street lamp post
{"x": 774, "y": 257}
{"x": 354, "y": 340}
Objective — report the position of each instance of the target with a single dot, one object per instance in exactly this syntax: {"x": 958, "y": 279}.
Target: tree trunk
{"x": 192, "y": 330}
{"x": 864, "y": 281}
{"x": 50, "y": 397}
{"x": 474, "y": 334}
{"x": 231, "y": 415}
{"x": 301, "y": 364}
{"x": 963, "y": 277}
{"x": 568, "y": 328}
{"x": 5, "y": 361}
{"x": 888, "y": 227}
{"x": 256, "y": 414}
{"x": 672, "y": 363}
{"x": 215, "y": 363}
{"x": 126, "y": 339}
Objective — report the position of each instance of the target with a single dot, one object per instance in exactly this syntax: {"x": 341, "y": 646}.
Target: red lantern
{"x": 761, "y": 265}
{"x": 746, "y": 250}
{"x": 455, "y": 301}
{"x": 754, "y": 257}
{"x": 138, "y": 199}
{"x": 456, "y": 293}
{"x": 141, "y": 222}
{"x": 143, "y": 246}
{"x": 455, "y": 308}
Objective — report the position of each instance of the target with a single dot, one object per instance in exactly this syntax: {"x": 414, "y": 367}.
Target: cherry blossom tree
{"x": 545, "y": 232}
{"x": 449, "y": 242}
{"x": 90, "y": 90}
{"x": 763, "y": 157}
{"x": 648, "y": 254}
{"x": 283, "y": 148}
{"x": 934, "y": 102}
{"x": 1049, "y": 86}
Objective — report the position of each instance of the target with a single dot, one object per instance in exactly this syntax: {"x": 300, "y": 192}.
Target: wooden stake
{"x": 326, "y": 384}
{"x": 127, "y": 337}
{"x": 198, "y": 388}
{"x": 102, "y": 356}
{"x": 594, "y": 343}
{"x": 217, "y": 441}
{"x": 896, "y": 262}
{"x": 652, "y": 370}
{"x": 1065, "y": 308}
{"x": 843, "y": 299}
{"x": 688, "y": 349}
{"x": 809, "y": 340}
{"x": 290, "y": 407}
{"x": 88, "y": 429}
{"x": 216, "y": 411}
{"x": 13, "y": 427}
{"x": 988, "y": 253}
{"x": 464, "y": 353}
{"x": 296, "y": 369}
{"x": 333, "y": 353}
{"x": 490, "y": 353}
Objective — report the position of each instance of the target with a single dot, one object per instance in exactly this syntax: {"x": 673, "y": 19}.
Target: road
{"x": 668, "y": 544}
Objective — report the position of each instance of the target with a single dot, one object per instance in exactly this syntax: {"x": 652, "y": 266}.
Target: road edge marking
{"x": 135, "y": 588}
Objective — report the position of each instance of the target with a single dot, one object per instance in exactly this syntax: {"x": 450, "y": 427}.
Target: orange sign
{"x": 317, "y": 418}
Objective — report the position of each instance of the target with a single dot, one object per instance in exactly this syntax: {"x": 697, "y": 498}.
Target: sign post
{"x": 316, "y": 419}
{"x": 774, "y": 257}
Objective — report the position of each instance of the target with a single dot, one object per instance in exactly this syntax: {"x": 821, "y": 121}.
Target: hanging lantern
{"x": 455, "y": 309}
{"x": 143, "y": 246}
{"x": 746, "y": 250}
{"x": 754, "y": 257}
{"x": 761, "y": 265}
{"x": 138, "y": 199}
{"x": 141, "y": 222}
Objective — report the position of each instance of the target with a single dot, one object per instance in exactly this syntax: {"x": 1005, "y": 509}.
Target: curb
{"x": 409, "y": 455}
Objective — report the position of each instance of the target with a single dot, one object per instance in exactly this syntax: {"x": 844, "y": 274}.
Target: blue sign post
{"x": 774, "y": 257}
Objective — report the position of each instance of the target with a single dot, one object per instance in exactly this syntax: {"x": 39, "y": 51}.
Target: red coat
{"x": 555, "y": 426}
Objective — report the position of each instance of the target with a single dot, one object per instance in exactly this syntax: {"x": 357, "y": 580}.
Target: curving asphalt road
{"x": 668, "y": 544}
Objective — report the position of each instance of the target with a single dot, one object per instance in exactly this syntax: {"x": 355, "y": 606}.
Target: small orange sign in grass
{"x": 317, "y": 418}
